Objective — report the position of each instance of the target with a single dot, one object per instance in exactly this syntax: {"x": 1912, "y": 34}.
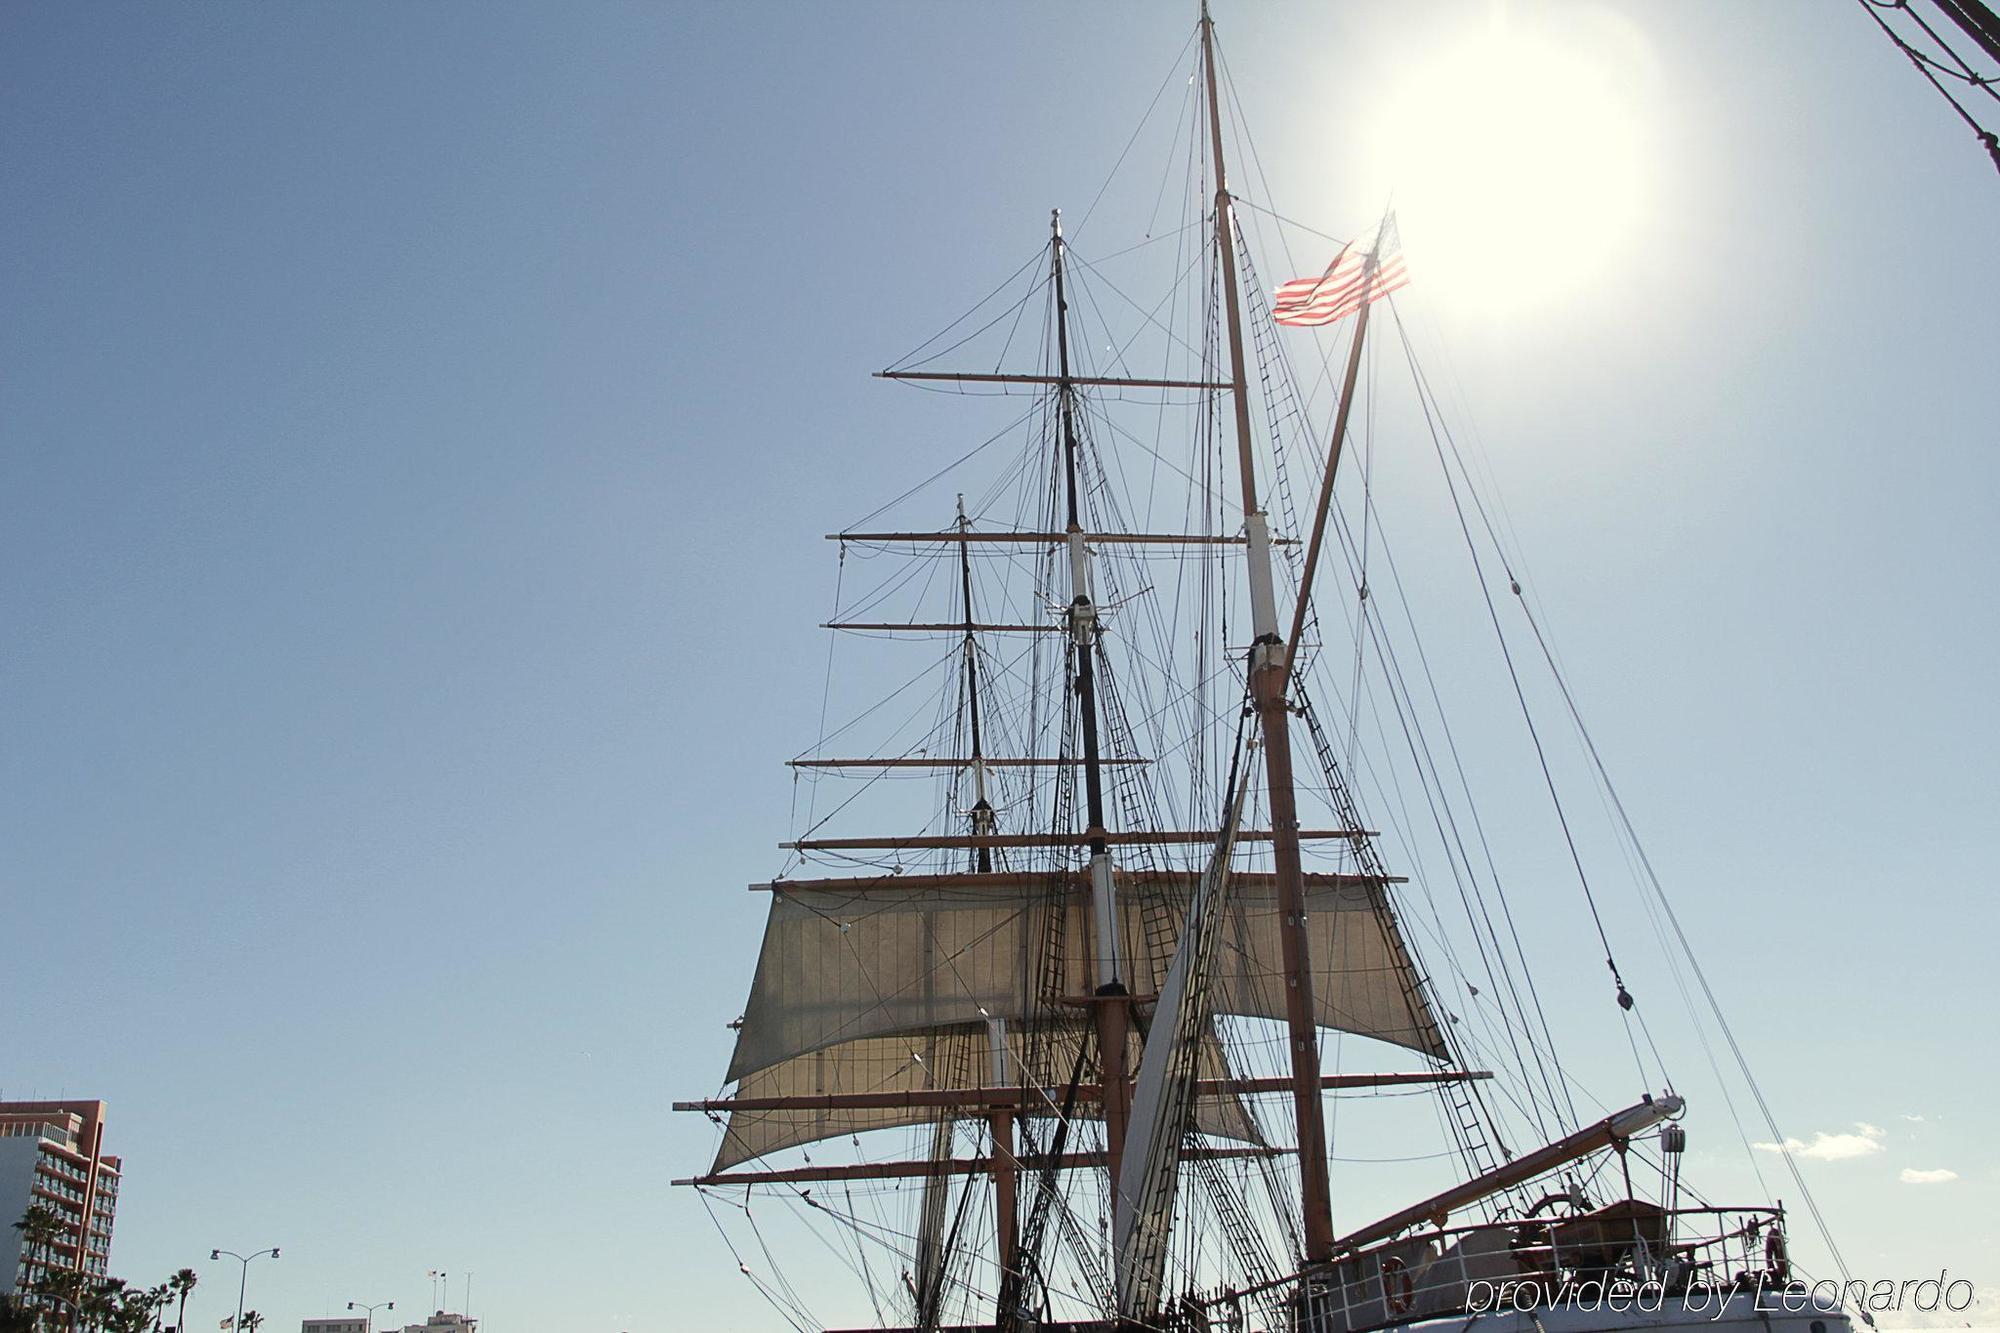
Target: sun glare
{"x": 1516, "y": 171}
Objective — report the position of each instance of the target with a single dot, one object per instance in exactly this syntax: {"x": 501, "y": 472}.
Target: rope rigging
{"x": 1156, "y": 673}
{"x": 1979, "y": 24}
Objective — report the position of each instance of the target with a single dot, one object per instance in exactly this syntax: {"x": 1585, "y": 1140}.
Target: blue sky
{"x": 419, "y": 423}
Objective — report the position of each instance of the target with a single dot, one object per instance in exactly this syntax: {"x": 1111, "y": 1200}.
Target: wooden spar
{"x": 1112, "y": 1018}
{"x": 945, "y": 765}
{"x": 908, "y": 627}
{"x": 1268, "y": 682}
{"x": 1333, "y": 446}
{"x": 1605, "y": 1133}
{"x": 1084, "y": 381}
{"x": 1043, "y": 880}
{"x": 1983, "y": 27}
{"x": 957, "y": 842}
{"x": 957, "y": 1166}
{"x": 999, "y": 1124}
{"x": 1041, "y": 538}
{"x": 1013, "y": 1098}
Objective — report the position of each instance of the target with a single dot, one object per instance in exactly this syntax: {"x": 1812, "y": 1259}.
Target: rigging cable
{"x": 1978, "y": 22}
{"x": 1653, "y": 881}
{"x": 1624, "y": 996}
{"x": 908, "y": 362}
{"x": 796, "y": 1316}
{"x": 1326, "y": 370}
{"x": 1420, "y": 750}
{"x": 1172, "y": 69}
{"x": 825, "y": 695}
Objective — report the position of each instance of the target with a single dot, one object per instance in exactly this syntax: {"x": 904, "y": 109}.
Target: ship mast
{"x": 1111, "y": 1002}
{"x": 982, "y": 809}
{"x": 932, "y": 1261}
{"x": 999, "y": 1122}
{"x": 1269, "y": 669}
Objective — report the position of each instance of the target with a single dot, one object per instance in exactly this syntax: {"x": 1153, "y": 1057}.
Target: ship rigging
{"x": 1093, "y": 989}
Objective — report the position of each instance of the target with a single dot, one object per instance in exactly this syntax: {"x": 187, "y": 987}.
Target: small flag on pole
{"x": 228, "y": 1322}
{"x": 1352, "y": 280}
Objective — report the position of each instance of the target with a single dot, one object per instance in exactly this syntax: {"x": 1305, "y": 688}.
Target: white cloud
{"x": 1833, "y": 1147}
{"x": 1913, "y": 1119}
{"x": 1911, "y": 1176}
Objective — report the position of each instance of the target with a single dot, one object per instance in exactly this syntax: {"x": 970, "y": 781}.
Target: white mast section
{"x": 1110, "y": 1001}
{"x": 1163, "y": 1104}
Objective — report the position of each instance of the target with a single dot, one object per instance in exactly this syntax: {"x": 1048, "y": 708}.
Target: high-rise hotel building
{"x": 52, "y": 1153}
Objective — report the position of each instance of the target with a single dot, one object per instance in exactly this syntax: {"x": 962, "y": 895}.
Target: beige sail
{"x": 1044, "y": 1057}
{"x": 852, "y": 982}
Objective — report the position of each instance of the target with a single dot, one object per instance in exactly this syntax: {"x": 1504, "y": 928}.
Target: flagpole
{"x": 1333, "y": 447}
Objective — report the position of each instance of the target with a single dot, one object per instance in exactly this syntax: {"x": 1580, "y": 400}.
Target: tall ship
{"x": 1142, "y": 871}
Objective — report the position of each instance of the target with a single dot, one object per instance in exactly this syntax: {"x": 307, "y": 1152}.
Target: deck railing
{"x": 1625, "y": 1251}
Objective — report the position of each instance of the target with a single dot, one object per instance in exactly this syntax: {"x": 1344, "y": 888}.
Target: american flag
{"x": 1352, "y": 280}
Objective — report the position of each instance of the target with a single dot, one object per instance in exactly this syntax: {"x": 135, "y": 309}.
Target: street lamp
{"x": 245, "y": 1283}
{"x": 75, "y": 1310}
{"x": 371, "y": 1309}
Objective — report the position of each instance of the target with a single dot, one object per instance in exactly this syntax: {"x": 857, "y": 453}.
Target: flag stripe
{"x": 1342, "y": 275}
{"x": 1352, "y": 280}
{"x": 1344, "y": 288}
{"x": 1329, "y": 293}
{"x": 1308, "y": 319}
{"x": 1325, "y": 312}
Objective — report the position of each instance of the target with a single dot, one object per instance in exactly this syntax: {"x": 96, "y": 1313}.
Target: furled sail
{"x": 854, "y": 974}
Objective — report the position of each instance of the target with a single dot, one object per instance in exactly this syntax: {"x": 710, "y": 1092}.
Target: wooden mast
{"x": 982, "y": 809}
{"x": 1268, "y": 681}
{"x": 999, "y": 1120}
{"x": 1113, "y": 1001}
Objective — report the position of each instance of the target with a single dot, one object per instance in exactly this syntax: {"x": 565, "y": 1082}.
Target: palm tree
{"x": 137, "y": 1308}
{"x": 61, "y": 1286}
{"x": 40, "y": 1227}
{"x": 17, "y": 1316}
{"x": 181, "y": 1284}
{"x": 102, "y": 1303}
{"x": 156, "y": 1303}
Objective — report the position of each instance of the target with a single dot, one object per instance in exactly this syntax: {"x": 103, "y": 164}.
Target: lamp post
{"x": 371, "y": 1309}
{"x": 244, "y": 1284}
{"x": 75, "y": 1310}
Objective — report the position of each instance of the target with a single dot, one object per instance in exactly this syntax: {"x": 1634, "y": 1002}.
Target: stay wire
{"x": 1624, "y": 996}
{"x": 908, "y": 359}
{"x": 1929, "y": 69}
{"x": 790, "y": 1315}
{"x": 1172, "y": 69}
{"x": 1442, "y": 431}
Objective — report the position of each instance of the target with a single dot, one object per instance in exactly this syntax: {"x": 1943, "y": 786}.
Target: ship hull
{"x": 1769, "y": 1310}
